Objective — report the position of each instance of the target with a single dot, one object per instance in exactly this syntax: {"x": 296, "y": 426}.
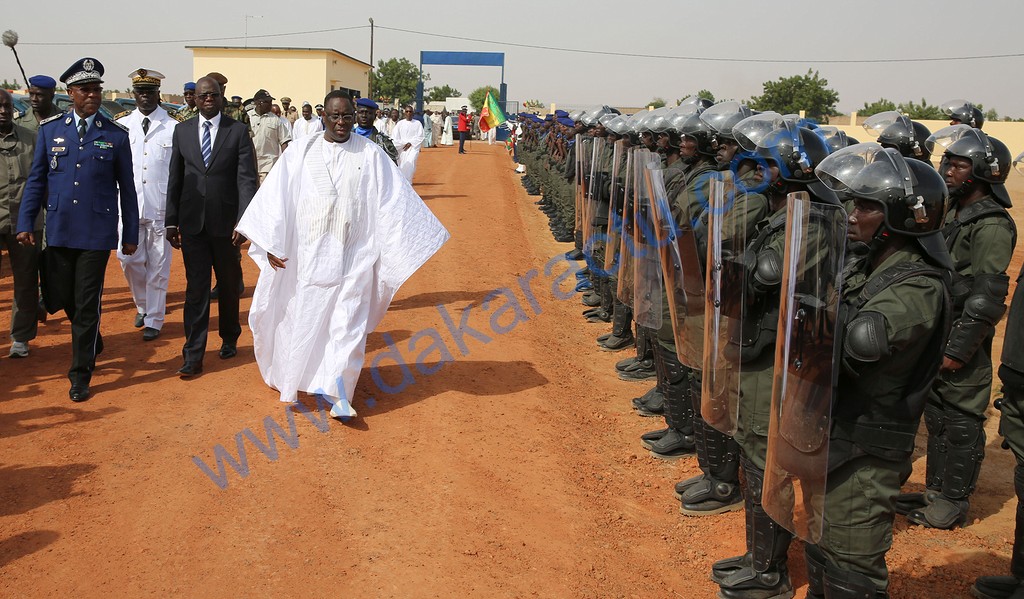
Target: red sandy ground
{"x": 515, "y": 470}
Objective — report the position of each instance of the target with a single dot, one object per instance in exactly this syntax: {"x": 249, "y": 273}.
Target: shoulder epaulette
{"x": 177, "y": 116}
{"x": 51, "y": 118}
{"x": 121, "y": 115}
{"x": 119, "y": 125}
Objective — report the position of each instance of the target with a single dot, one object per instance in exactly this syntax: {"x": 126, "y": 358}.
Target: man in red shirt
{"x": 463, "y": 129}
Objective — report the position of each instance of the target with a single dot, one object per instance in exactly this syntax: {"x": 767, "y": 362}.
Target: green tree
{"x": 879, "y": 105}
{"x": 788, "y": 95}
{"x": 923, "y": 111}
{"x": 657, "y": 102}
{"x": 478, "y": 95}
{"x": 396, "y": 79}
{"x": 441, "y": 93}
{"x": 990, "y": 114}
{"x": 706, "y": 94}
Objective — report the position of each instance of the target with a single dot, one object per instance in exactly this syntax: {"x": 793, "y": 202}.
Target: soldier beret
{"x": 368, "y": 103}
{"x": 43, "y": 81}
{"x": 190, "y": 86}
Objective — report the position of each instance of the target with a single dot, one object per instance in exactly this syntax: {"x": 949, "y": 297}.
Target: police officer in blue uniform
{"x": 81, "y": 163}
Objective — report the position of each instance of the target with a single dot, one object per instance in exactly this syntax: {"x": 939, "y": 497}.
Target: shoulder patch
{"x": 51, "y": 118}
{"x": 122, "y": 114}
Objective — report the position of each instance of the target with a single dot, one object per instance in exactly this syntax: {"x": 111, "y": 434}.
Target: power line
{"x": 191, "y": 41}
{"x": 549, "y": 48}
{"x": 704, "y": 58}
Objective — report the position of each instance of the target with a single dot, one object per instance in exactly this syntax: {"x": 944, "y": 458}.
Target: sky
{"x": 807, "y": 34}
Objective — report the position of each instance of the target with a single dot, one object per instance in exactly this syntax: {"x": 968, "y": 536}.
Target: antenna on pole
{"x": 247, "y": 17}
{"x": 369, "y": 84}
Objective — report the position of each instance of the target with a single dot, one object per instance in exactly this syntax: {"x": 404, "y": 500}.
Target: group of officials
{"x": 337, "y": 207}
{"x": 801, "y": 300}
{"x": 84, "y": 185}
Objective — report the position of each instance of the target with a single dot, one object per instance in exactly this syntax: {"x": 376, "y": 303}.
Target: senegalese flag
{"x": 491, "y": 114}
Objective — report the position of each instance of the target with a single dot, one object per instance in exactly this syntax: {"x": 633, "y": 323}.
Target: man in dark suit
{"x": 81, "y": 171}
{"x": 212, "y": 178}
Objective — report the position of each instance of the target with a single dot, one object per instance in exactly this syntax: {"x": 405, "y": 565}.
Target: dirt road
{"x": 495, "y": 456}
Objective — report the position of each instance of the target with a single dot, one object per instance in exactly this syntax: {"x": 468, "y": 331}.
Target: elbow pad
{"x": 767, "y": 271}
{"x": 982, "y": 310}
{"x": 866, "y": 338}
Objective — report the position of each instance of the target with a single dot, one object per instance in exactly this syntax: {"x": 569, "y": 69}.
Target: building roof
{"x": 278, "y": 48}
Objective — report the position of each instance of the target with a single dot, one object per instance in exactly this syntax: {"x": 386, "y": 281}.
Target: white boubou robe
{"x": 446, "y": 131}
{"x": 408, "y": 132}
{"x": 352, "y": 230}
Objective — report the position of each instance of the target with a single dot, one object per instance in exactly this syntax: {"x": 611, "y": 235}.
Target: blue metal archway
{"x": 473, "y": 59}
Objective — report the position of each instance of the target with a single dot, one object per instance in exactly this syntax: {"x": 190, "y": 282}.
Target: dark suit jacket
{"x": 213, "y": 198}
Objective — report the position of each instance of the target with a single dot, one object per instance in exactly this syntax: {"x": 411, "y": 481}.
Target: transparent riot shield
{"x": 596, "y": 196}
{"x": 725, "y": 304}
{"x": 647, "y": 283}
{"x": 612, "y": 258}
{"x": 581, "y": 186}
{"x": 627, "y": 246}
{"x": 683, "y": 269}
{"x": 806, "y": 367}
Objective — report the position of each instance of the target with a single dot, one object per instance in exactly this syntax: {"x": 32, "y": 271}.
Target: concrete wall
{"x": 299, "y": 74}
{"x": 1010, "y": 133}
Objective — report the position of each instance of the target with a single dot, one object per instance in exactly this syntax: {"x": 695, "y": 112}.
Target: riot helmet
{"x": 695, "y": 128}
{"x": 895, "y": 130}
{"x": 834, "y": 137}
{"x": 963, "y": 112}
{"x": 990, "y": 158}
{"x": 722, "y": 117}
{"x": 912, "y": 195}
{"x": 575, "y": 115}
{"x": 795, "y": 151}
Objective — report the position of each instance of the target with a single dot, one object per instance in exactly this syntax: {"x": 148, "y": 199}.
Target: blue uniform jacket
{"x": 78, "y": 184}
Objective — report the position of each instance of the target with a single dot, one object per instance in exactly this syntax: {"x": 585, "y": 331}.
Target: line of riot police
{"x": 800, "y": 301}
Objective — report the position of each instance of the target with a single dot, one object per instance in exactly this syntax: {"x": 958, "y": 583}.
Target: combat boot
{"x": 767, "y": 577}
{"x": 651, "y": 403}
{"x": 622, "y": 333}
{"x": 1008, "y": 587}
{"x": 678, "y": 408}
{"x": 846, "y": 584}
{"x": 965, "y": 449}
{"x": 935, "y": 465}
{"x": 718, "y": 490}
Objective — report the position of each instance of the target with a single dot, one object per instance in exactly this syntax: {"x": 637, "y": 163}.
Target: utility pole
{"x": 369, "y": 83}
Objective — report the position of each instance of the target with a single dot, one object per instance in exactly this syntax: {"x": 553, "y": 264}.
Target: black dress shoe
{"x": 79, "y": 393}
{"x": 190, "y": 369}
{"x": 149, "y": 334}
{"x": 140, "y": 319}
{"x": 228, "y": 350}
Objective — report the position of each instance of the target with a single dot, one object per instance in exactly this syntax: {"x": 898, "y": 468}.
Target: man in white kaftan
{"x": 335, "y": 230}
{"x": 408, "y": 138}
{"x": 446, "y": 130}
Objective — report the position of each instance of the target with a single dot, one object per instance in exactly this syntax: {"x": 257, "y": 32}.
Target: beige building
{"x": 299, "y": 73}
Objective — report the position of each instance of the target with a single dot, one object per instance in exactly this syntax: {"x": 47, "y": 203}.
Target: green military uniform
{"x": 185, "y": 113}
{"x": 981, "y": 247}
{"x": 1011, "y": 427}
{"x": 28, "y": 120}
{"x": 236, "y": 112}
{"x": 874, "y": 416}
{"x": 16, "y": 151}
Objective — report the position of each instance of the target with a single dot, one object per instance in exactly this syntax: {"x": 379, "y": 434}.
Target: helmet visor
{"x": 752, "y": 129}
{"x": 868, "y": 171}
{"x": 947, "y": 136}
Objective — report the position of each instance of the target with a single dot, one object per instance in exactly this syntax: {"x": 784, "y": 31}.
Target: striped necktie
{"x": 207, "y": 146}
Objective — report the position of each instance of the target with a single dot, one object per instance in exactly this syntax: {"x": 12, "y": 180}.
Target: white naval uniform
{"x": 148, "y": 269}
